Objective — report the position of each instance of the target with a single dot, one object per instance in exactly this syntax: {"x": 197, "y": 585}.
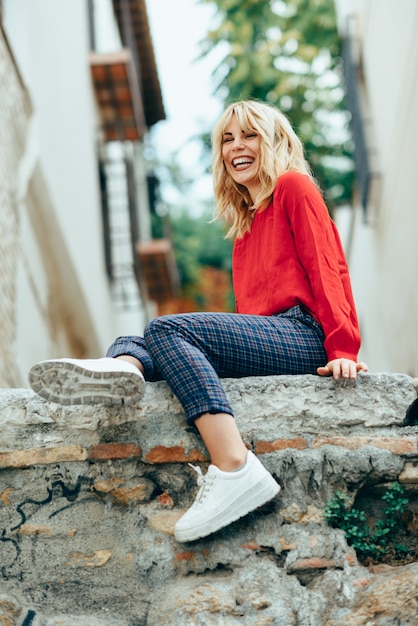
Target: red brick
{"x": 124, "y": 494}
{"x": 42, "y": 456}
{"x": 185, "y": 556}
{"x": 114, "y": 451}
{"x": 396, "y": 445}
{"x": 263, "y": 447}
{"x": 176, "y": 454}
{"x": 312, "y": 563}
{"x": 165, "y": 499}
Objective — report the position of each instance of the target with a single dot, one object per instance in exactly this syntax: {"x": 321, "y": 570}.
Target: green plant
{"x": 369, "y": 541}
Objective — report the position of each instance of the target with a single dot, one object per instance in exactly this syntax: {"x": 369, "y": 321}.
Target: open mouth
{"x": 242, "y": 162}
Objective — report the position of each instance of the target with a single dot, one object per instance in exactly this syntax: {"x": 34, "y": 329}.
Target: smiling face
{"x": 241, "y": 156}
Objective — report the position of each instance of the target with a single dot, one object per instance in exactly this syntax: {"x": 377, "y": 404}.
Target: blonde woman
{"x": 295, "y": 314}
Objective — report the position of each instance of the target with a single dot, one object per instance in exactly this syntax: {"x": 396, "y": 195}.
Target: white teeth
{"x": 241, "y": 161}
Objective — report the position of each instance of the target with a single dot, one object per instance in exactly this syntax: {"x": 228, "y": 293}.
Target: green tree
{"x": 287, "y": 52}
{"x": 198, "y": 243}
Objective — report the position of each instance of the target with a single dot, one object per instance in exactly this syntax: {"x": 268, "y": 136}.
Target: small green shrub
{"x": 366, "y": 540}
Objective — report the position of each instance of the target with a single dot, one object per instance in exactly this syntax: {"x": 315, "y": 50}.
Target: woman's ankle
{"x": 223, "y": 441}
{"x": 131, "y": 359}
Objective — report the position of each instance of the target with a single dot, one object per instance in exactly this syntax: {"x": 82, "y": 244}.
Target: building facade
{"x": 381, "y": 72}
{"x": 79, "y": 93}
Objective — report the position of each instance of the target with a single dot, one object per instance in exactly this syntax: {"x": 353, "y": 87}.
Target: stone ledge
{"x": 321, "y": 425}
{"x": 285, "y": 411}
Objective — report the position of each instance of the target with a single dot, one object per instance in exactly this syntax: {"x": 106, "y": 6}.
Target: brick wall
{"x": 15, "y": 111}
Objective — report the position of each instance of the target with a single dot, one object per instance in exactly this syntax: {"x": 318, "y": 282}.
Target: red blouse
{"x": 293, "y": 255}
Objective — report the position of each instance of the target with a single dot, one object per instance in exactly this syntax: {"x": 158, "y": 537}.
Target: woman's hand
{"x": 342, "y": 368}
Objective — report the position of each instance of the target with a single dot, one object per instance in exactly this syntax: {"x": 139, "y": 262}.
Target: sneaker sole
{"x": 70, "y": 384}
{"x": 255, "y": 497}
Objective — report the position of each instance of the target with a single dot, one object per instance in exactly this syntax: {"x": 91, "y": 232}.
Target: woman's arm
{"x": 321, "y": 254}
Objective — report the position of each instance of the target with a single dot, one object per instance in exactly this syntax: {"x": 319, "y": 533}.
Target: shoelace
{"x": 204, "y": 482}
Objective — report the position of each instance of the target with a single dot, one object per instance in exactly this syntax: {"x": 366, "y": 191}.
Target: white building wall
{"x": 384, "y": 255}
{"x": 64, "y": 303}
{"x": 15, "y": 112}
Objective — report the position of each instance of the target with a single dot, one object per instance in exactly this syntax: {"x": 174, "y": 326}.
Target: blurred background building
{"x": 79, "y": 92}
{"x": 381, "y": 76}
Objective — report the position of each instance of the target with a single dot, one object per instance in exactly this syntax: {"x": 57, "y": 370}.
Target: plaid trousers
{"x": 192, "y": 351}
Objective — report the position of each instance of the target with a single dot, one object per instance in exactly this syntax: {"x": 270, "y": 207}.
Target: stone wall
{"x": 89, "y": 496}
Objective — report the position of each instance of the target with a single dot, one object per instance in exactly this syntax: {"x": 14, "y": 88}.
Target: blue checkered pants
{"x": 192, "y": 351}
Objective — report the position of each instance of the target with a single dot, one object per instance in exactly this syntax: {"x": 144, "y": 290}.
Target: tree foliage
{"x": 198, "y": 244}
{"x": 287, "y": 52}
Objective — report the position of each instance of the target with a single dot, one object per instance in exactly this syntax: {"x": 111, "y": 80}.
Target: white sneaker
{"x": 224, "y": 497}
{"x": 87, "y": 381}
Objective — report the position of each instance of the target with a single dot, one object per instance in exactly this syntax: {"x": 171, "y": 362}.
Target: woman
{"x": 295, "y": 314}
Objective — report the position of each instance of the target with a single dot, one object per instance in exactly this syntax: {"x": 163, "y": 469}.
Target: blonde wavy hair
{"x": 281, "y": 150}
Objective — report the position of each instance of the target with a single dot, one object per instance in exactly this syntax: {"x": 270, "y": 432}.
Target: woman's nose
{"x": 238, "y": 143}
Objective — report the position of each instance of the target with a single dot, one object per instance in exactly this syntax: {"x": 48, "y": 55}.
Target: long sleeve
{"x": 293, "y": 255}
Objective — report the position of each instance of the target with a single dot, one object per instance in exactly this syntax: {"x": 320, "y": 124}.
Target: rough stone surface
{"x": 89, "y": 497}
